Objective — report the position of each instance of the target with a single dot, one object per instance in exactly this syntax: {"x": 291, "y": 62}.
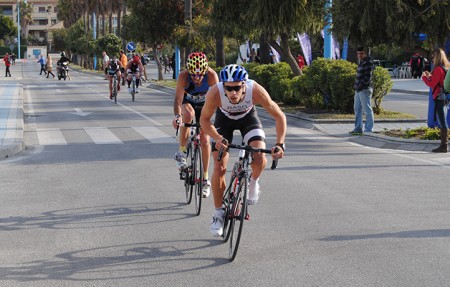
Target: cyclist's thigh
{"x": 251, "y": 128}
{"x": 187, "y": 111}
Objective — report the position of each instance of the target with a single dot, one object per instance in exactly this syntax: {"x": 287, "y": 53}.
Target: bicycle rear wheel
{"x": 238, "y": 212}
{"x": 197, "y": 175}
{"x": 188, "y": 178}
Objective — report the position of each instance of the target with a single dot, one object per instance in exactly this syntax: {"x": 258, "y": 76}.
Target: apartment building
{"x": 44, "y": 17}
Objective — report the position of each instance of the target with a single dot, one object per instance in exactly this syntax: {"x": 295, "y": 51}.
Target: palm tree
{"x": 26, "y": 9}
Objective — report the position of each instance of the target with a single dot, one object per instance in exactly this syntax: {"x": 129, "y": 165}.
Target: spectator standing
{"x": 105, "y": 60}
{"x": 42, "y": 61}
{"x": 124, "y": 61}
{"x": 166, "y": 62}
{"x": 49, "y": 66}
{"x": 447, "y": 82}
{"x": 13, "y": 58}
{"x": 7, "y": 61}
{"x": 417, "y": 64}
{"x": 300, "y": 61}
{"x": 144, "y": 65}
{"x": 172, "y": 65}
{"x": 435, "y": 80}
{"x": 363, "y": 93}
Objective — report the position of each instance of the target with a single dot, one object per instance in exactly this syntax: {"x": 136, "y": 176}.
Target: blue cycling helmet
{"x": 233, "y": 73}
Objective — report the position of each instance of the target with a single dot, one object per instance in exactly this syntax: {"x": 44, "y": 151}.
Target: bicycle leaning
{"x": 235, "y": 196}
{"x": 192, "y": 174}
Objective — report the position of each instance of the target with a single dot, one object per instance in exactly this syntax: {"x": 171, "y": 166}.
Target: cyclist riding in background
{"x": 124, "y": 60}
{"x": 234, "y": 100}
{"x": 113, "y": 66}
{"x": 134, "y": 67}
{"x": 192, "y": 85}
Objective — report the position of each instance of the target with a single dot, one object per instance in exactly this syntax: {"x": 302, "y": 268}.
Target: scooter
{"x": 63, "y": 70}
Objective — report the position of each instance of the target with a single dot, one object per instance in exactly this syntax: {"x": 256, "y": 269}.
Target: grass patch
{"x": 421, "y": 133}
{"x": 166, "y": 83}
{"x": 331, "y": 115}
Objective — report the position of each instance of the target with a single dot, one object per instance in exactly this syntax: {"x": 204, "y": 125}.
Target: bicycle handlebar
{"x": 249, "y": 149}
{"x": 187, "y": 125}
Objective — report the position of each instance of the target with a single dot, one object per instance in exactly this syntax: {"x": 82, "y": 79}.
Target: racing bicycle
{"x": 193, "y": 173}
{"x": 235, "y": 196}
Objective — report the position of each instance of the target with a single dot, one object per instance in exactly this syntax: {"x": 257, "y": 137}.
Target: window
{"x": 42, "y": 10}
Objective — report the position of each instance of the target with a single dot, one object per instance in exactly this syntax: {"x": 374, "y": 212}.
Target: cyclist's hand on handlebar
{"x": 277, "y": 152}
{"x": 176, "y": 122}
{"x": 221, "y": 144}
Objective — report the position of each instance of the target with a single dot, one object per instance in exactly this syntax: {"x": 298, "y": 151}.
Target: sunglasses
{"x": 233, "y": 88}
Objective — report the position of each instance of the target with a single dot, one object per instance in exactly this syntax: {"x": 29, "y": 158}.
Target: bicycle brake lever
{"x": 275, "y": 161}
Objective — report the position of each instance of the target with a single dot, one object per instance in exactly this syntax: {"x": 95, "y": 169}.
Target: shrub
{"x": 382, "y": 84}
{"x": 340, "y": 80}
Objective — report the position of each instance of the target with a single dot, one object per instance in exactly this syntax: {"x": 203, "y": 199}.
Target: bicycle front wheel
{"x": 115, "y": 91}
{"x": 188, "y": 177}
{"x": 238, "y": 211}
{"x": 197, "y": 175}
{"x": 133, "y": 90}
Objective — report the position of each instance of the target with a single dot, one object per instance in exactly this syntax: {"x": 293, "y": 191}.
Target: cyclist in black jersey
{"x": 134, "y": 67}
{"x": 113, "y": 66}
{"x": 233, "y": 100}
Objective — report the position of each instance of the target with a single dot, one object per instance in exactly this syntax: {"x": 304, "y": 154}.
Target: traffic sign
{"x": 131, "y": 46}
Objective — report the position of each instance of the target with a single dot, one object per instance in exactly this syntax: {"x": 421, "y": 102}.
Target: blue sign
{"x": 131, "y": 46}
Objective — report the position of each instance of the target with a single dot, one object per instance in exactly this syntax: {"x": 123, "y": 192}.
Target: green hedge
{"x": 326, "y": 84}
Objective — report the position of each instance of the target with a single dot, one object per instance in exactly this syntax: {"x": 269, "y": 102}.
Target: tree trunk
{"x": 158, "y": 63}
{"x": 220, "y": 50}
{"x": 264, "y": 50}
{"x": 285, "y": 52}
{"x": 110, "y": 23}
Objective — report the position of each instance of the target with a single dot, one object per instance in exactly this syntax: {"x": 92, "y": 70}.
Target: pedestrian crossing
{"x": 102, "y": 135}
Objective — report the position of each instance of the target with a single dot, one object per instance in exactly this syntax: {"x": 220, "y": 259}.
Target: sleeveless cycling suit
{"x": 241, "y": 116}
{"x": 113, "y": 67}
{"x": 195, "y": 95}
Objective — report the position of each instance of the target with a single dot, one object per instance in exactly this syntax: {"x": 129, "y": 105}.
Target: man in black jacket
{"x": 363, "y": 93}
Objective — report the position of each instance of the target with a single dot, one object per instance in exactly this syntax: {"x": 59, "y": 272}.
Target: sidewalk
{"x": 11, "y": 113}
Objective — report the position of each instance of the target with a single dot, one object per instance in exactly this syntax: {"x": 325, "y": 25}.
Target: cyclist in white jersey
{"x": 234, "y": 99}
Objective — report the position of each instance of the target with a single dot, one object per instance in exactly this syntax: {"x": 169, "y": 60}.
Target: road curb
{"x": 13, "y": 142}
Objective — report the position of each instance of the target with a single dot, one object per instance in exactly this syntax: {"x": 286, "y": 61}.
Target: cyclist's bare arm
{"x": 179, "y": 94}
{"x": 212, "y": 102}
{"x": 261, "y": 97}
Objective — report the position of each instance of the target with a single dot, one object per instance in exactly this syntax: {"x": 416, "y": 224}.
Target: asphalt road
{"x": 95, "y": 201}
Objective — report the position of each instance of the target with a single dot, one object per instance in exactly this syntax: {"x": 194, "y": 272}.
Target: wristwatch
{"x": 282, "y": 145}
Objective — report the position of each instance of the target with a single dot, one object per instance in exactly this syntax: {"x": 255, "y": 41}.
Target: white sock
{"x": 218, "y": 212}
